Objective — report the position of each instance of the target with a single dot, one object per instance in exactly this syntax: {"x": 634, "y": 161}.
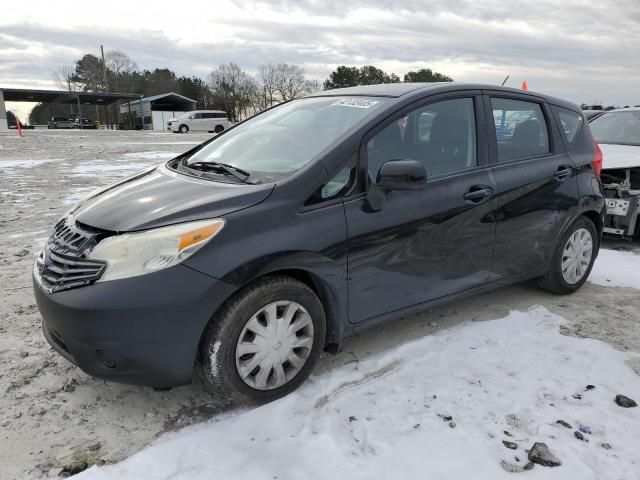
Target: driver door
{"x": 432, "y": 242}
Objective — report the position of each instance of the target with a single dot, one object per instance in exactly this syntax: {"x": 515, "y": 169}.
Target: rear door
{"x": 428, "y": 243}
{"x": 537, "y": 190}
{"x": 210, "y": 121}
{"x": 198, "y": 122}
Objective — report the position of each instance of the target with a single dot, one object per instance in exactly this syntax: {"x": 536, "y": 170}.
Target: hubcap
{"x": 577, "y": 256}
{"x": 274, "y": 345}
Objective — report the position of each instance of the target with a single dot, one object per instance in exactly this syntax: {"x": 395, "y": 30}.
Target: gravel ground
{"x": 52, "y": 414}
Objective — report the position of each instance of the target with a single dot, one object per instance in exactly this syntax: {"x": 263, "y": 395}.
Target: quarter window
{"x": 337, "y": 186}
{"x": 570, "y": 123}
{"x": 521, "y": 129}
{"x": 441, "y": 135}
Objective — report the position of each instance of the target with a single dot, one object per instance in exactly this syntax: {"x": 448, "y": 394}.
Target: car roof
{"x": 628, "y": 109}
{"x": 404, "y": 90}
{"x": 207, "y": 111}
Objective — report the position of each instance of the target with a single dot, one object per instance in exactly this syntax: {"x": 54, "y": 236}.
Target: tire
{"x": 218, "y": 129}
{"x": 554, "y": 280}
{"x": 220, "y": 364}
{"x": 183, "y": 129}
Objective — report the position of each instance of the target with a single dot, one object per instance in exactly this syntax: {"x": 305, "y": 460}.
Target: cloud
{"x": 581, "y": 50}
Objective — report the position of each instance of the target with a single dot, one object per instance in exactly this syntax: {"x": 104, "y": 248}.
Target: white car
{"x": 618, "y": 134}
{"x": 200, "y": 121}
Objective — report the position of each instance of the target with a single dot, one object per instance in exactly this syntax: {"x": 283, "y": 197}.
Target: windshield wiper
{"x": 223, "y": 168}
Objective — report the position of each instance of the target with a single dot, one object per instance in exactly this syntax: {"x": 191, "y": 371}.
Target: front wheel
{"x": 573, "y": 258}
{"x": 183, "y": 129}
{"x": 218, "y": 129}
{"x": 264, "y": 342}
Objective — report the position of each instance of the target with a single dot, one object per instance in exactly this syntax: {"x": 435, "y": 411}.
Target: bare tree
{"x": 289, "y": 81}
{"x": 267, "y": 78}
{"x": 235, "y": 88}
{"x": 120, "y": 67}
{"x": 312, "y": 86}
{"x": 64, "y": 76}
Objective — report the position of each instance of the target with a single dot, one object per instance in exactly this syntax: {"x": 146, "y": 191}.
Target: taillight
{"x": 596, "y": 162}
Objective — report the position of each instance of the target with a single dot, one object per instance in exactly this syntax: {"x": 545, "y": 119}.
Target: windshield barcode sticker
{"x": 355, "y": 102}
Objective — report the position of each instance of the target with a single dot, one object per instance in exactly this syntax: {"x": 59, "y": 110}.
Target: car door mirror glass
{"x": 395, "y": 175}
{"x": 401, "y": 175}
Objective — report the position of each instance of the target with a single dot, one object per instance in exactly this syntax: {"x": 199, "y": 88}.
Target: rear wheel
{"x": 265, "y": 341}
{"x": 183, "y": 129}
{"x": 219, "y": 129}
{"x": 573, "y": 258}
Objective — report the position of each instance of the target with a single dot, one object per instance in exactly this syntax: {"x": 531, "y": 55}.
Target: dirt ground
{"x": 52, "y": 414}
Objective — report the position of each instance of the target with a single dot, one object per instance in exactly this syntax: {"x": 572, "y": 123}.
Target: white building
{"x": 156, "y": 111}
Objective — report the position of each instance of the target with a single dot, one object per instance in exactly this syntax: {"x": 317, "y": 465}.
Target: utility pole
{"x": 104, "y": 70}
{"x": 104, "y": 79}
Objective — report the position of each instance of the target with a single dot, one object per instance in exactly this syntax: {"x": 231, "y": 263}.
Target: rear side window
{"x": 570, "y": 123}
{"x": 521, "y": 129}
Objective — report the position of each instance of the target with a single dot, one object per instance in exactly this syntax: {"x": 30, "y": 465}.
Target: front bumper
{"x": 142, "y": 330}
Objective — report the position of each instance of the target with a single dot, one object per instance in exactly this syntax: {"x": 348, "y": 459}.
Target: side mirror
{"x": 401, "y": 175}
{"x": 395, "y": 175}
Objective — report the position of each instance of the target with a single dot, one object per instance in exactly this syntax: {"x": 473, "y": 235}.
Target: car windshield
{"x": 277, "y": 143}
{"x": 622, "y": 127}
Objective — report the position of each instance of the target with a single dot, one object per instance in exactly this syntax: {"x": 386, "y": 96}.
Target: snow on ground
{"x": 129, "y": 163}
{"x": 113, "y": 169}
{"x": 615, "y": 268}
{"x": 499, "y": 380}
{"x": 9, "y": 166}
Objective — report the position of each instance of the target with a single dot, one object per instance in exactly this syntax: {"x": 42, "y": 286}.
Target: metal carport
{"x": 57, "y": 96}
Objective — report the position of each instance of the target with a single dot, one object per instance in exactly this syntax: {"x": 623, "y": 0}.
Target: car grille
{"x": 63, "y": 264}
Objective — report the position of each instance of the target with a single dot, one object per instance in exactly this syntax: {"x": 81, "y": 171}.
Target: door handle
{"x": 563, "y": 172}
{"x": 477, "y": 194}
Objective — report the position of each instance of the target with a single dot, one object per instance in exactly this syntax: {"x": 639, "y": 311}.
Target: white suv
{"x": 200, "y": 120}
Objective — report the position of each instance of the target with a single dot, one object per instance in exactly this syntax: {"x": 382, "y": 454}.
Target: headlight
{"x": 133, "y": 254}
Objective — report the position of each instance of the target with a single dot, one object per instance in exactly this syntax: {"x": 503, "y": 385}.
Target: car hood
{"x": 619, "y": 156}
{"x": 159, "y": 196}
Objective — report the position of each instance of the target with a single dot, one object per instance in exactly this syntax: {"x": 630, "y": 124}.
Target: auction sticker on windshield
{"x": 355, "y": 102}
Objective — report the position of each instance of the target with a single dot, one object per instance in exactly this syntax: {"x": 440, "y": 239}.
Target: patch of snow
{"x": 159, "y": 142}
{"x": 100, "y": 167}
{"x": 383, "y": 417}
{"x": 12, "y": 164}
{"x": 151, "y": 155}
{"x": 77, "y": 194}
{"x": 29, "y": 234}
{"x": 213, "y": 358}
{"x": 615, "y": 268}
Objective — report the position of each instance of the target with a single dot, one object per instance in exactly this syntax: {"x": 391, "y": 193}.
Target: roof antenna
{"x": 504, "y": 81}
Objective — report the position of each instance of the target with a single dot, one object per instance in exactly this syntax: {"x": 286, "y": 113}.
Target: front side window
{"x": 521, "y": 129}
{"x": 279, "y": 142}
{"x": 441, "y": 135}
{"x": 622, "y": 127}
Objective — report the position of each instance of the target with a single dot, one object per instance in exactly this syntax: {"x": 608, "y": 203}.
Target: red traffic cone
{"x": 524, "y": 86}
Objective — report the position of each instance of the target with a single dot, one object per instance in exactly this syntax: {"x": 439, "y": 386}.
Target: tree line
{"x": 228, "y": 87}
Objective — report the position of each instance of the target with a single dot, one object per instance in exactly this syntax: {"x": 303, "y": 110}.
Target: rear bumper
{"x": 142, "y": 330}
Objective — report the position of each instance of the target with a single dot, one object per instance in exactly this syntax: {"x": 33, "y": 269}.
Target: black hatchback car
{"x": 275, "y": 240}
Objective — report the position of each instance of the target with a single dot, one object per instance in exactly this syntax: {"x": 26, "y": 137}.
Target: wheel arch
{"x": 333, "y": 339}
{"x": 335, "y": 323}
{"x": 596, "y": 218}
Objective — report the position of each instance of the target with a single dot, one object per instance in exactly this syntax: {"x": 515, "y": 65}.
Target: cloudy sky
{"x": 582, "y": 50}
